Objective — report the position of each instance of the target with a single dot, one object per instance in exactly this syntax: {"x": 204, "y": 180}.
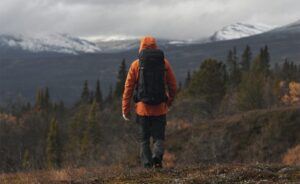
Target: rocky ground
{"x": 223, "y": 174}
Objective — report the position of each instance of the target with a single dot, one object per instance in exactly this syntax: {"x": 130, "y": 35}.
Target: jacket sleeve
{"x": 129, "y": 87}
{"x": 171, "y": 83}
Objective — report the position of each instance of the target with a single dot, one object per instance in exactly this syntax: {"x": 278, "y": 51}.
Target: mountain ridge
{"x": 57, "y": 43}
{"x": 66, "y": 44}
{"x": 239, "y": 30}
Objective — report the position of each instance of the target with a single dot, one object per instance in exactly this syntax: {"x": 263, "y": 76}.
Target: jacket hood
{"x": 148, "y": 42}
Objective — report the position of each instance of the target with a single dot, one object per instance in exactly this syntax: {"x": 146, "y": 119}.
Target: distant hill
{"x": 22, "y": 71}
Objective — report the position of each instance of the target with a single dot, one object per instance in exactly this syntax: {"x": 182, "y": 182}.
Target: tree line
{"x": 240, "y": 83}
{"x": 49, "y": 135}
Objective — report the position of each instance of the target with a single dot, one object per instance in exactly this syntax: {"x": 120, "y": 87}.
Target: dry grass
{"x": 236, "y": 173}
{"x": 292, "y": 157}
{"x": 68, "y": 175}
{"x": 244, "y": 137}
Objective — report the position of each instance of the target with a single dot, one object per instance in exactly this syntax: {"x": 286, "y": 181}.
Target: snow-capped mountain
{"x": 66, "y": 44}
{"x": 58, "y": 43}
{"x": 239, "y": 30}
{"x": 116, "y": 44}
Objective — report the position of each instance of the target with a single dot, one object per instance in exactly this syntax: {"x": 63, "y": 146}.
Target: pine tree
{"x": 230, "y": 61}
{"x": 235, "y": 58}
{"x": 251, "y": 93}
{"x": 214, "y": 90}
{"x": 92, "y": 122}
{"x": 85, "y": 144}
{"x": 85, "y": 94}
{"x": 77, "y": 128}
{"x": 234, "y": 75}
{"x": 121, "y": 78}
{"x": 39, "y": 100}
{"x": 26, "y": 160}
{"x": 53, "y": 146}
{"x": 266, "y": 57}
{"x": 98, "y": 95}
{"x": 42, "y": 100}
{"x": 289, "y": 71}
{"x": 294, "y": 71}
{"x": 252, "y": 88}
{"x": 46, "y": 99}
{"x": 187, "y": 80}
{"x": 262, "y": 61}
{"x": 91, "y": 134}
{"x": 109, "y": 97}
{"x": 285, "y": 71}
{"x": 246, "y": 59}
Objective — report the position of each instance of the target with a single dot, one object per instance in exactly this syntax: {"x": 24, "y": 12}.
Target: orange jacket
{"x": 132, "y": 77}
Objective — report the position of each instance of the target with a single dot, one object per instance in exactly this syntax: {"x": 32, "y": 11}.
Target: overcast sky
{"x": 175, "y": 19}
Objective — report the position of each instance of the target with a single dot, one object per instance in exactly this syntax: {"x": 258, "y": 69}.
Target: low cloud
{"x": 175, "y": 19}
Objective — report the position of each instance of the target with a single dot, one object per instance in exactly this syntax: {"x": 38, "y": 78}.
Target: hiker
{"x": 152, "y": 84}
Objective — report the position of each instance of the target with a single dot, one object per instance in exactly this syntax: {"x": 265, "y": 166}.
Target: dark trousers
{"x": 151, "y": 126}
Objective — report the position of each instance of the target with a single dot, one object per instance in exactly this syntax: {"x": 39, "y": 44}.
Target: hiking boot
{"x": 157, "y": 162}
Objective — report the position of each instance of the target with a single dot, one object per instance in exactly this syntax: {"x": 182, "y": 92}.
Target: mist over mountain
{"x": 230, "y": 32}
{"x": 120, "y": 45}
{"x": 67, "y": 44}
{"x": 63, "y": 63}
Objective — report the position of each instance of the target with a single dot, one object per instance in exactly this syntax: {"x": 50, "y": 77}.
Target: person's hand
{"x": 126, "y": 117}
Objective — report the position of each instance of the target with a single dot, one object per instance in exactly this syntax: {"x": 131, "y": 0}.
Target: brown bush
{"x": 292, "y": 157}
{"x": 292, "y": 97}
{"x": 169, "y": 159}
{"x": 7, "y": 118}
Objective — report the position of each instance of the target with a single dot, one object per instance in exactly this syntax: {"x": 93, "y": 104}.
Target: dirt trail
{"x": 223, "y": 174}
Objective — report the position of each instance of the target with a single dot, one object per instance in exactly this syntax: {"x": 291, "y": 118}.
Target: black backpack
{"x": 150, "y": 87}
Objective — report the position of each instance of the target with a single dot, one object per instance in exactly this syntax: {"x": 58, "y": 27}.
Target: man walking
{"x": 152, "y": 84}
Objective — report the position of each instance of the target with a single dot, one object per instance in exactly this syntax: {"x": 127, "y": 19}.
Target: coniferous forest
{"x": 48, "y": 135}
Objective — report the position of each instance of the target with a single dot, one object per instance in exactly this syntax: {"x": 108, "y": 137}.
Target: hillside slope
{"x": 244, "y": 148}
{"x": 256, "y": 136}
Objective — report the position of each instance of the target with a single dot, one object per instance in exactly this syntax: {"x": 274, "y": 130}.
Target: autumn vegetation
{"x": 242, "y": 110}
